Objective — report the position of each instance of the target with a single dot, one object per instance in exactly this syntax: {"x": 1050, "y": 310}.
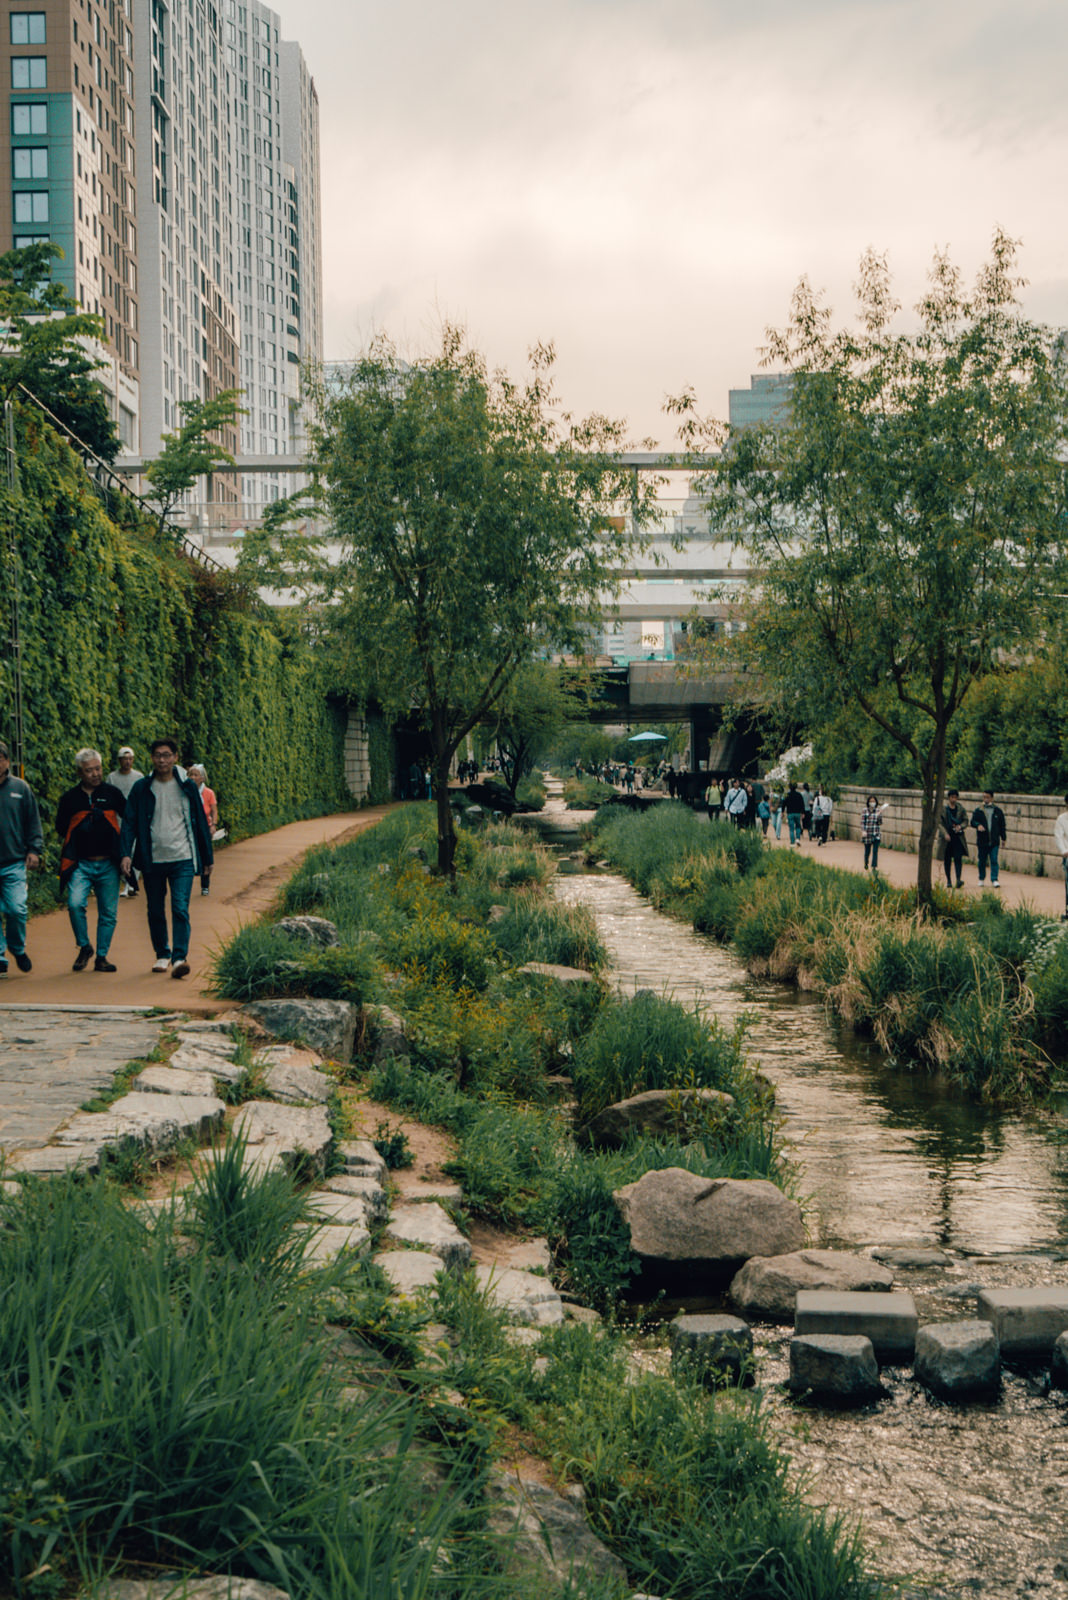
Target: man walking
{"x": 988, "y": 820}
{"x": 165, "y": 834}
{"x": 123, "y": 778}
{"x": 1060, "y": 837}
{"x": 89, "y": 821}
{"x": 794, "y": 806}
{"x": 21, "y": 843}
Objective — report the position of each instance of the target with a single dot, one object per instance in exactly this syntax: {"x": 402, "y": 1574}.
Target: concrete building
{"x": 67, "y": 142}
{"x": 766, "y": 400}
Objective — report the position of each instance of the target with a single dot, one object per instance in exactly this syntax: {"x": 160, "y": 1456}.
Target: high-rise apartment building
{"x": 67, "y": 147}
{"x": 203, "y": 254}
{"x": 767, "y": 400}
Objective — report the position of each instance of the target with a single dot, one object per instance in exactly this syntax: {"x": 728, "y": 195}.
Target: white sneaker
{"x": 162, "y": 965}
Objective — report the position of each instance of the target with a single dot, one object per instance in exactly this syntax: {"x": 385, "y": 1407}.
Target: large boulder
{"x": 680, "y": 1223}
{"x": 384, "y": 1035}
{"x": 328, "y": 1026}
{"x": 657, "y": 1113}
{"x": 1058, "y": 1366}
{"x": 958, "y": 1358}
{"x": 766, "y": 1287}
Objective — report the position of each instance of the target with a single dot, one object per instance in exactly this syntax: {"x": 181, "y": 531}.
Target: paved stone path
{"x": 51, "y": 1061}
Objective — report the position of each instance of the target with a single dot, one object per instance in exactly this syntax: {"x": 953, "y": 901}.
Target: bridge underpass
{"x": 644, "y": 692}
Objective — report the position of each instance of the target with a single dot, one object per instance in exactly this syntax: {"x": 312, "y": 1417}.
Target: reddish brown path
{"x": 899, "y": 866}
{"x": 246, "y": 879}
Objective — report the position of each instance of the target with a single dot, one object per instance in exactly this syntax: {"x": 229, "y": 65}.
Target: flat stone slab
{"x": 332, "y": 1207}
{"x": 912, "y": 1256}
{"x": 410, "y": 1271}
{"x": 1026, "y": 1321}
{"x": 55, "y": 1159}
{"x": 766, "y": 1287}
{"x": 296, "y": 1084}
{"x": 710, "y": 1346}
{"x": 211, "y": 1044}
{"x": 430, "y": 1228}
{"x": 523, "y": 1296}
{"x": 156, "y": 1121}
{"x": 330, "y": 1241}
{"x": 549, "y": 969}
{"x": 173, "y": 1080}
{"x": 368, "y": 1191}
{"x": 958, "y": 1358}
{"x": 888, "y": 1320}
{"x": 420, "y": 1193}
{"x": 840, "y": 1366}
{"x": 188, "y": 1587}
{"x": 278, "y": 1135}
{"x": 190, "y": 1059}
{"x": 360, "y": 1157}
{"x": 210, "y": 1025}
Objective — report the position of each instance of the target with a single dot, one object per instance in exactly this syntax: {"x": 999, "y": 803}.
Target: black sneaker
{"x": 3, "y": 959}
{"x": 102, "y": 964}
{"x": 81, "y": 960}
{"x": 22, "y": 961}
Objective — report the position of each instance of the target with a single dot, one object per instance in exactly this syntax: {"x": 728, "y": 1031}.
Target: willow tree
{"x": 473, "y": 528}
{"x": 904, "y": 521}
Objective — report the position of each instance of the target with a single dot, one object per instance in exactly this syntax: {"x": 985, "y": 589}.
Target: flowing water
{"x": 966, "y": 1499}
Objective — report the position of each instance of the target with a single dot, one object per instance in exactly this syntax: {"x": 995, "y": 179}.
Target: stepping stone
{"x": 913, "y": 1256}
{"x": 210, "y": 1025}
{"x": 173, "y": 1080}
{"x": 156, "y": 1121}
{"x": 360, "y": 1156}
{"x": 420, "y": 1193}
{"x": 279, "y": 1136}
{"x": 374, "y": 1198}
{"x": 1026, "y": 1321}
{"x": 840, "y": 1366}
{"x": 188, "y": 1059}
{"x": 346, "y": 1208}
{"x": 410, "y": 1271}
{"x": 1058, "y": 1365}
{"x": 523, "y": 1296}
{"x": 888, "y": 1320}
{"x": 210, "y": 1044}
{"x": 710, "y": 1347}
{"x": 329, "y": 1242}
{"x": 297, "y": 1084}
{"x": 767, "y": 1286}
{"x": 187, "y": 1587}
{"x": 431, "y": 1229}
{"x": 958, "y": 1358}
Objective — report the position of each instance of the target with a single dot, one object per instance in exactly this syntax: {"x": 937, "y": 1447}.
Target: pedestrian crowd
{"x": 116, "y": 834}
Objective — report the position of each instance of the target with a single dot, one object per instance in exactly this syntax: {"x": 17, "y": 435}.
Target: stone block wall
{"x": 357, "y": 758}
{"x": 1029, "y": 820}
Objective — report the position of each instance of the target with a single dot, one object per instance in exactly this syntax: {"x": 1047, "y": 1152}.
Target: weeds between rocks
{"x": 491, "y": 1050}
{"x": 972, "y": 989}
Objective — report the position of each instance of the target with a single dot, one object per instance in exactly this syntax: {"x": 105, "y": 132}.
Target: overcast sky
{"x": 643, "y": 183}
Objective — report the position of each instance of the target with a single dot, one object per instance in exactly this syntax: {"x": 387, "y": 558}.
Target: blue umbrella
{"x": 647, "y": 738}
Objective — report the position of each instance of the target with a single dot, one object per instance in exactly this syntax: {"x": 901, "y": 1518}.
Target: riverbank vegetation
{"x": 682, "y": 1483}
{"x": 970, "y": 989}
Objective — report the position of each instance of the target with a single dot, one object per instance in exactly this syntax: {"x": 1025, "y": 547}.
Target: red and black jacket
{"x": 89, "y": 825}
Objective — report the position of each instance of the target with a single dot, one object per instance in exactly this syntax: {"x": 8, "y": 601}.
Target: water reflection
{"x": 886, "y": 1157}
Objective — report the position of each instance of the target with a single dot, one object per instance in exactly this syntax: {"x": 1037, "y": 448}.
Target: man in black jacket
{"x": 988, "y": 820}
{"x": 165, "y": 834}
{"x": 88, "y": 823}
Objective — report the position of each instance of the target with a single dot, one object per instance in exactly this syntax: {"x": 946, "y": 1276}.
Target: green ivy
{"x": 124, "y": 641}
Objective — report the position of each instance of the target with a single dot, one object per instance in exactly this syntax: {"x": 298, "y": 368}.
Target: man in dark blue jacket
{"x": 165, "y": 835}
{"x": 988, "y": 820}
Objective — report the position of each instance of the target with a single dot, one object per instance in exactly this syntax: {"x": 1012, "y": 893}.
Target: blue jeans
{"x": 13, "y": 906}
{"x": 102, "y": 879}
{"x": 988, "y": 852}
{"x": 179, "y": 874}
{"x": 795, "y": 819}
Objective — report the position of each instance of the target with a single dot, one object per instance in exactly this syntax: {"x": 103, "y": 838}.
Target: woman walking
{"x": 871, "y": 824}
{"x": 822, "y": 807}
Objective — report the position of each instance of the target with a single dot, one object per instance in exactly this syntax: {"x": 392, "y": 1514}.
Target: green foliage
{"x": 536, "y": 929}
{"x": 906, "y": 519}
{"x": 586, "y": 794}
{"x": 124, "y": 641}
{"x": 192, "y": 452}
{"x": 260, "y": 960}
{"x": 393, "y": 1146}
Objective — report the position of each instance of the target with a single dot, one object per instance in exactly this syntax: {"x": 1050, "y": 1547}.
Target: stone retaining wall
{"x": 357, "y": 758}
{"x": 1029, "y": 820}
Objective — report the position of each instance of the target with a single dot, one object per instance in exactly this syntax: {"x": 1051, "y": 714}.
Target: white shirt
{"x": 1060, "y": 833}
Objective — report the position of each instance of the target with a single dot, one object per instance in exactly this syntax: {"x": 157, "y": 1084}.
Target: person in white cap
{"x": 123, "y": 778}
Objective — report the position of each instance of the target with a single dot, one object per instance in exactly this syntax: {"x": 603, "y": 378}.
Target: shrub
{"x": 507, "y": 1162}
{"x": 535, "y": 929}
{"x": 260, "y": 960}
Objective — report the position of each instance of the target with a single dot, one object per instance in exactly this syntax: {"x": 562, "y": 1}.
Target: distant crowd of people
{"x": 115, "y": 833}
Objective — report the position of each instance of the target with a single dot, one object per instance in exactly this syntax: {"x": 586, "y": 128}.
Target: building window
{"x": 24, "y": 240}
{"x": 29, "y": 162}
{"x": 27, "y": 118}
{"x": 29, "y": 72}
{"x": 27, "y": 27}
{"x": 31, "y": 205}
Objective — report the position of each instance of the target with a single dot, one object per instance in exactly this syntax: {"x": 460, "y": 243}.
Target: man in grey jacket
{"x": 21, "y": 843}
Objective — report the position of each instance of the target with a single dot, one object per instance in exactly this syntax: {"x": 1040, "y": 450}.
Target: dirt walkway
{"x": 899, "y": 866}
{"x": 246, "y": 879}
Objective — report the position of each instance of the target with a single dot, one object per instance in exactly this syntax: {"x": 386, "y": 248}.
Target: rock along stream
{"x": 960, "y": 1499}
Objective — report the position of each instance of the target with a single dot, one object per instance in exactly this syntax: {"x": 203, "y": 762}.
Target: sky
{"x": 642, "y": 184}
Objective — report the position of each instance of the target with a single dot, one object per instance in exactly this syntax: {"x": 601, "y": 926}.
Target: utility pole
{"x": 14, "y": 590}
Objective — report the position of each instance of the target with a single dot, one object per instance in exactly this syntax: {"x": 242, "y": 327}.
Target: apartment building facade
{"x": 171, "y": 148}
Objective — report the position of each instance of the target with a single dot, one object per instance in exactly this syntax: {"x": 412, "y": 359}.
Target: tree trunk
{"x": 934, "y": 785}
{"x": 442, "y": 753}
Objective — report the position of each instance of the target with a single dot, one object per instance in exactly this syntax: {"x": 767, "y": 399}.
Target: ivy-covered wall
{"x": 124, "y": 642}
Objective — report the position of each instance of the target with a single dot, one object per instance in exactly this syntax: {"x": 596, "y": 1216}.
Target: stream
{"x": 954, "y": 1499}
